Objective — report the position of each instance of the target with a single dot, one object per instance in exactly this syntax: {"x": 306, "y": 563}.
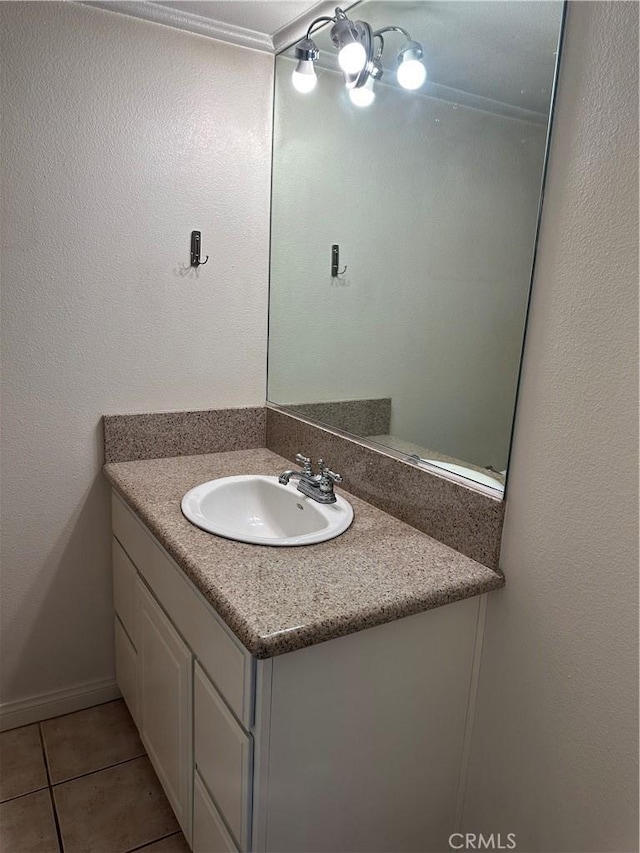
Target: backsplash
{"x": 161, "y": 434}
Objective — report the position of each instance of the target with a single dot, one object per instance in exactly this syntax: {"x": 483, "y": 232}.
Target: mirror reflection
{"x": 404, "y": 222}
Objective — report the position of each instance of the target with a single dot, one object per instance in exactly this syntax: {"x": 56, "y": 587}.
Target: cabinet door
{"x": 164, "y": 704}
{"x": 210, "y": 835}
{"x": 124, "y": 590}
{"x": 223, "y": 752}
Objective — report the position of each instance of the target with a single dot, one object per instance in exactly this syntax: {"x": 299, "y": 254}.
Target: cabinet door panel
{"x": 210, "y": 835}
{"x": 164, "y": 704}
{"x": 124, "y": 589}
{"x": 223, "y": 753}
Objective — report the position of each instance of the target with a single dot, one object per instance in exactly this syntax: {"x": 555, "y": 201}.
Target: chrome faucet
{"x": 307, "y": 470}
{"x": 318, "y": 487}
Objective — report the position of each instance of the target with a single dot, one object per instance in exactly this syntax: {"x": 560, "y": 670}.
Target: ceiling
{"x": 491, "y": 50}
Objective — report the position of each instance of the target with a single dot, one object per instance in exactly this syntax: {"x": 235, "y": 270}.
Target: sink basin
{"x": 260, "y": 510}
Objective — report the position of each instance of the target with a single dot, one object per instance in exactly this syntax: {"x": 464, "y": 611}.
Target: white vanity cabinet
{"x": 354, "y": 744}
{"x": 171, "y": 649}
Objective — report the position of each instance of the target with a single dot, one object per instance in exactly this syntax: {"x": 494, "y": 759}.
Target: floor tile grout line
{"x": 99, "y": 769}
{"x": 45, "y": 757}
{"x": 155, "y": 841}
{"x": 50, "y": 789}
{"x": 25, "y": 794}
{"x": 70, "y": 713}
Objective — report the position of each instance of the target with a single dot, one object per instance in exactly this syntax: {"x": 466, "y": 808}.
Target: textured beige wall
{"x": 555, "y": 744}
{"x": 119, "y": 138}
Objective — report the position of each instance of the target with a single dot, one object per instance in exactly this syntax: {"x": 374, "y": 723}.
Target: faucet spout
{"x": 287, "y": 475}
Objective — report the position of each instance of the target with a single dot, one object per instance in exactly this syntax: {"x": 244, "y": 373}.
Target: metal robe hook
{"x": 335, "y": 261}
{"x": 195, "y": 250}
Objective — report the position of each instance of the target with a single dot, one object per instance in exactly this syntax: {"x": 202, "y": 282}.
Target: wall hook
{"x": 195, "y": 250}
{"x": 335, "y": 261}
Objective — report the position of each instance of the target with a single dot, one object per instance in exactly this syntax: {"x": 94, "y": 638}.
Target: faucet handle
{"x": 305, "y": 461}
{"x": 328, "y": 478}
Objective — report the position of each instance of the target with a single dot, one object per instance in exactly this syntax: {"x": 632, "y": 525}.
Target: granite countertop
{"x": 277, "y": 600}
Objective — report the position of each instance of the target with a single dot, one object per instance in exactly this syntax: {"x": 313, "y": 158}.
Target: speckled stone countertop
{"x": 277, "y": 600}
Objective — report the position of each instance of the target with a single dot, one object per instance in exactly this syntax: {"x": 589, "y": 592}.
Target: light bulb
{"x": 304, "y": 76}
{"x": 363, "y": 96}
{"x": 411, "y": 74}
{"x": 352, "y": 57}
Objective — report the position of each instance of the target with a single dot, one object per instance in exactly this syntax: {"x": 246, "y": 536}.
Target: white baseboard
{"x": 37, "y": 708}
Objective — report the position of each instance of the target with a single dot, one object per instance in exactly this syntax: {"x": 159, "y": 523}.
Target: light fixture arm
{"x": 393, "y": 29}
{"x": 323, "y": 20}
{"x": 380, "y": 50}
{"x": 340, "y": 15}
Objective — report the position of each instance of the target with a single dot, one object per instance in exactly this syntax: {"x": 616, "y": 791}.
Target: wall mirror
{"x": 409, "y": 333}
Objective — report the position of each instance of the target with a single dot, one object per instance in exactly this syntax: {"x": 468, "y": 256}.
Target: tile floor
{"x": 82, "y": 783}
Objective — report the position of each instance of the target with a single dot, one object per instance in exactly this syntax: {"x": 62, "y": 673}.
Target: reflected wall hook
{"x": 335, "y": 261}
{"x": 195, "y": 250}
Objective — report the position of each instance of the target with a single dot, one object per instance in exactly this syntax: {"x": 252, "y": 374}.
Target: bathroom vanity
{"x": 293, "y": 699}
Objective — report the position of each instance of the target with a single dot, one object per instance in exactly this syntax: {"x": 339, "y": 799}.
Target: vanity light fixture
{"x": 304, "y": 77}
{"x": 360, "y": 52}
{"x": 348, "y": 37}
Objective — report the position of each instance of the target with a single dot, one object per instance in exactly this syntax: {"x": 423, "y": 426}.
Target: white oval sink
{"x": 260, "y": 510}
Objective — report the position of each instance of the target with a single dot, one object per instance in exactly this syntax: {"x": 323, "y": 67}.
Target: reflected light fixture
{"x": 363, "y": 96}
{"x": 360, "y": 52}
{"x": 411, "y": 72}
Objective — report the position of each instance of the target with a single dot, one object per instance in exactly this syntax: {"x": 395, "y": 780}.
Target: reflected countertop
{"x": 276, "y": 599}
{"x": 427, "y": 453}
